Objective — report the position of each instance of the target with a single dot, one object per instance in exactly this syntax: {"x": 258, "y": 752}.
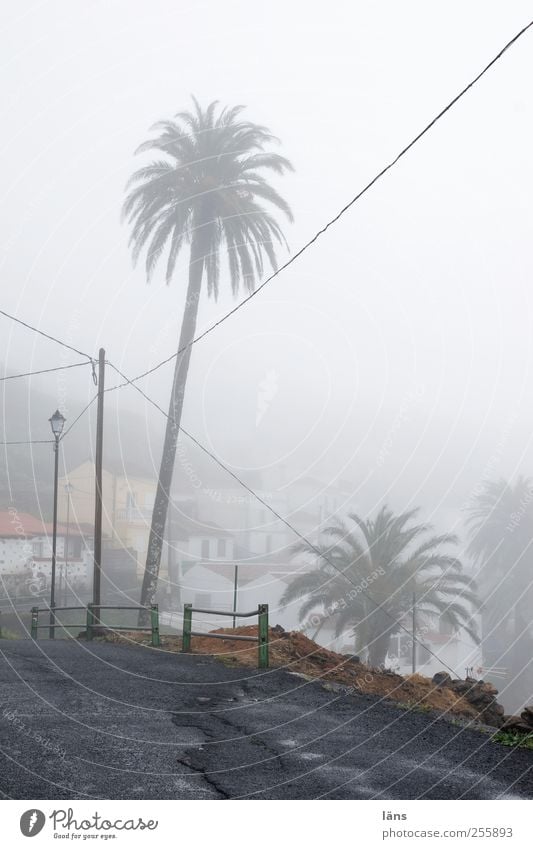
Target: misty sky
{"x": 396, "y": 353}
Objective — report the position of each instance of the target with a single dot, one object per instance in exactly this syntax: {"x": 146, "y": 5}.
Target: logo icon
{"x": 32, "y": 822}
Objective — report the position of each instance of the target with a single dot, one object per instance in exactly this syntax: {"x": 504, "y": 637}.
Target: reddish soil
{"x": 295, "y": 652}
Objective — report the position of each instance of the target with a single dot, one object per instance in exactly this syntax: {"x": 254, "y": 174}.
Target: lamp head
{"x": 57, "y": 422}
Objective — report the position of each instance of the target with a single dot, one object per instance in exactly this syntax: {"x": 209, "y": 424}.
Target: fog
{"x": 394, "y": 356}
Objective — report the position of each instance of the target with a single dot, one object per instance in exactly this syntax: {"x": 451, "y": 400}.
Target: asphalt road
{"x": 82, "y": 720}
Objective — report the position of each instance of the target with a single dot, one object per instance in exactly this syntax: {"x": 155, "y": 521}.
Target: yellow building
{"x": 127, "y": 506}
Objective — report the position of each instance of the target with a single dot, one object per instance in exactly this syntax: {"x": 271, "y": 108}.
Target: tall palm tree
{"x": 385, "y": 560}
{"x": 205, "y": 190}
{"x": 500, "y": 520}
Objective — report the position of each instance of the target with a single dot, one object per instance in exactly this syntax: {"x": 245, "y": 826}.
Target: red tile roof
{"x": 15, "y": 524}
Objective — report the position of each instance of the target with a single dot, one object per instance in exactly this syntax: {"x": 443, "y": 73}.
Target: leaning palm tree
{"x": 365, "y": 572}
{"x": 206, "y": 190}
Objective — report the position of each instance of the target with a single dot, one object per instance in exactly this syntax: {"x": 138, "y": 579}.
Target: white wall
{"x": 18, "y": 554}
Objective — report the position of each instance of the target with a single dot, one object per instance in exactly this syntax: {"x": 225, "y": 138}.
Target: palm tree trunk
{"x": 379, "y": 643}
{"x": 166, "y": 471}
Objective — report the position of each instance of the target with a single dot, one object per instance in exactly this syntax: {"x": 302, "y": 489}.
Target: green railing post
{"x": 262, "y": 645}
{"x": 90, "y": 621}
{"x": 187, "y": 627}
{"x": 154, "y": 618}
{"x": 34, "y": 622}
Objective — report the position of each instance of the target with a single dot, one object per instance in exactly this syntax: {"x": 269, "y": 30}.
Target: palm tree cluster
{"x": 400, "y": 558}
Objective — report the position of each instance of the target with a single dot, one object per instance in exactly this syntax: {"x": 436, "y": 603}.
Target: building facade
{"x": 127, "y": 504}
{"x": 26, "y": 554}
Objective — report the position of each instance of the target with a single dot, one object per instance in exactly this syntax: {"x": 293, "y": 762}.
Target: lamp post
{"x": 57, "y": 422}
{"x": 68, "y": 489}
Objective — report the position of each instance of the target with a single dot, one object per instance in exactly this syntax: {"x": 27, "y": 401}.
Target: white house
{"x": 211, "y": 585}
{"x": 26, "y": 552}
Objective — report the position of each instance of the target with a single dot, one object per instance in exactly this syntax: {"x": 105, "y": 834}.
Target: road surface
{"x": 97, "y": 720}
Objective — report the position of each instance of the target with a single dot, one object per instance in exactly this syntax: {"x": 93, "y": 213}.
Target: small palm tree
{"x": 206, "y": 190}
{"x": 386, "y": 559}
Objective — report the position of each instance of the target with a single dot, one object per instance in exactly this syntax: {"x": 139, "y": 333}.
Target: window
{"x": 221, "y": 547}
{"x": 268, "y": 544}
{"x": 205, "y": 549}
{"x": 131, "y": 506}
{"x": 37, "y": 548}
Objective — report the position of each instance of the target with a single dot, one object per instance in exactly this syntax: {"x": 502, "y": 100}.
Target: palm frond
{"x": 210, "y": 179}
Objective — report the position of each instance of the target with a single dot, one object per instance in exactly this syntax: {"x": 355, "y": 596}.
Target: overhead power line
{"x": 30, "y": 442}
{"x": 51, "y": 441}
{"x": 42, "y": 371}
{"x": 341, "y": 212}
{"x": 305, "y": 247}
{"x": 46, "y": 335}
{"x": 78, "y": 417}
{"x": 281, "y": 518}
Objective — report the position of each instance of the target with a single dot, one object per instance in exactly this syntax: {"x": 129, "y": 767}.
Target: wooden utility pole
{"x": 98, "y": 485}
{"x": 235, "y": 589}
{"x": 170, "y": 557}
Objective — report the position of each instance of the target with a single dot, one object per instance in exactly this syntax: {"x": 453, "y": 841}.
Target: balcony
{"x": 134, "y": 515}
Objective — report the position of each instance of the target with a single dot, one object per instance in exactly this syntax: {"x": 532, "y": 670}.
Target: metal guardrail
{"x": 262, "y": 629}
{"x": 93, "y": 621}
{"x": 51, "y": 625}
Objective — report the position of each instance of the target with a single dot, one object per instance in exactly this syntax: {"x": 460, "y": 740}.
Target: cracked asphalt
{"x": 103, "y": 721}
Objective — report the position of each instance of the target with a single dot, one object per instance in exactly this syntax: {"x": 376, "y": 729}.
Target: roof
{"x": 130, "y": 471}
{"x": 251, "y": 571}
{"x": 23, "y": 525}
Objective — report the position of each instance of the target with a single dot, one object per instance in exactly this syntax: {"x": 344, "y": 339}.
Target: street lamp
{"x": 68, "y": 490}
{"x": 57, "y": 422}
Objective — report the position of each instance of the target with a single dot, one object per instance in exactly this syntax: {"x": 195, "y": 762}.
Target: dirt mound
{"x": 295, "y": 652}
